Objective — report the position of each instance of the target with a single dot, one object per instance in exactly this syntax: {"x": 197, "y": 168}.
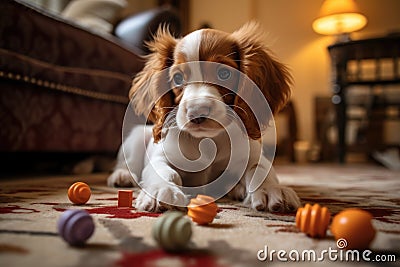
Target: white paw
{"x": 121, "y": 178}
{"x": 275, "y": 198}
{"x": 160, "y": 198}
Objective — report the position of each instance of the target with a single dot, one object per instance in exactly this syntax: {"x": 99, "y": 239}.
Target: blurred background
{"x": 309, "y": 125}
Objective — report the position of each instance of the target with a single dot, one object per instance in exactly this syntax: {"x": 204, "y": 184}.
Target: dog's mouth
{"x": 201, "y": 122}
{"x": 198, "y": 120}
{"x": 201, "y": 126}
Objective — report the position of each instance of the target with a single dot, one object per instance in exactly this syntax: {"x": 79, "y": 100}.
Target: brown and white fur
{"x": 198, "y": 108}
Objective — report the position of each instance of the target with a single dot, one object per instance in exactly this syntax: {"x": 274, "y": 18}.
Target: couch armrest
{"x": 28, "y": 30}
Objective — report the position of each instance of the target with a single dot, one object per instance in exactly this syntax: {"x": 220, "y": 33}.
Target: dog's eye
{"x": 224, "y": 74}
{"x": 178, "y": 79}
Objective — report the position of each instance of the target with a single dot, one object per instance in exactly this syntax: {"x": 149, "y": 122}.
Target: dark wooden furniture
{"x": 286, "y": 146}
{"x": 368, "y": 63}
{"x": 324, "y": 123}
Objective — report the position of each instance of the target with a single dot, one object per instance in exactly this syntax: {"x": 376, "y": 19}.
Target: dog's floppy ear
{"x": 270, "y": 76}
{"x": 150, "y": 94}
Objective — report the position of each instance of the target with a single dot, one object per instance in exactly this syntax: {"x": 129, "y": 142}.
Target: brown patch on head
{"x": 220, "y": 47}
{"x": 180, "y": 58}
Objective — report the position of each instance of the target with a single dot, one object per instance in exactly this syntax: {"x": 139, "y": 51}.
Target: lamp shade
{"x": 338, "y": 17}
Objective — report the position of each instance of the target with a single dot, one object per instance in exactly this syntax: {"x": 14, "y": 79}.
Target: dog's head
{"x": 176, "y": 78}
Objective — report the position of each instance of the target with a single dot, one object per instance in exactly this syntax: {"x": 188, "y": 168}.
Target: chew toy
{"x": 313, "y": 220}
{"x": 79, "y": 193}
{"x": 172, "y": 231}
{"x": 353, "y": 227}
{"x": 75, "y": 226}
{"x": 202, "y": 209}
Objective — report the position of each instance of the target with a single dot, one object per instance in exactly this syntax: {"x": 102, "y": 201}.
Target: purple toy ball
{"x": 75, "y": 227}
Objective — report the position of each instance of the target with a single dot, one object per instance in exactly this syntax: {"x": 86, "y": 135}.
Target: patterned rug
{"x": 30, "y": 208}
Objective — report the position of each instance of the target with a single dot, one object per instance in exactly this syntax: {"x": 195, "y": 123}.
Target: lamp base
{"x": 342, "y": 38}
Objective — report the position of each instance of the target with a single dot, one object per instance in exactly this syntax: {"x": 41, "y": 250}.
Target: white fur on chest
{"x": 202, "y": 160}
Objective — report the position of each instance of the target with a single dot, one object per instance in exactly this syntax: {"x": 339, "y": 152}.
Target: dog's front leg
{"x": 264, "y": 191}
{"x": 130, "y": 161}
{"x": 159, "y": 185}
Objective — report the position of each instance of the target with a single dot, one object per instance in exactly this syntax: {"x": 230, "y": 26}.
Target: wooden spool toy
{"x": 202, "y": 209}
{"x": 172, "y": 231}
{"x": 79, "y": 193}
{"x": 313, "y": 220}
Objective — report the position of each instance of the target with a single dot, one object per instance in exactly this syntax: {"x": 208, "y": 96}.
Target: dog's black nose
{"x": 198, "y": 120}
{"x": 198, "y": 114}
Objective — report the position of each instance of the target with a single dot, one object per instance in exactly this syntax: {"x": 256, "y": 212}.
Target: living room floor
{"x": 31, "y": 206}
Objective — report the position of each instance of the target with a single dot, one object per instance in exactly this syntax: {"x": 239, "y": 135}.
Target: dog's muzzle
{"x": 198, "y": 114}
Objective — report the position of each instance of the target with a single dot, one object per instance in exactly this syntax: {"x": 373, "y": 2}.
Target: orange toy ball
{"x": 313, "y": 220}
{"x": 202, "y": 209}
{"x": 355, "y": 226}
{"x": 79, "y": 193}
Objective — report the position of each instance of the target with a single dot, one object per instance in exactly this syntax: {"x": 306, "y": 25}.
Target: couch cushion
{"x": 99, "y": 15}
{"x": 139, "y": 29}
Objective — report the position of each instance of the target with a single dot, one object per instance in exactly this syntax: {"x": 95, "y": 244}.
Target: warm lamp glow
{"x": 339, "y": 17}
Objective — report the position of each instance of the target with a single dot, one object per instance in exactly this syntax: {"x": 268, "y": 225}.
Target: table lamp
{"x": 340, "y": 18}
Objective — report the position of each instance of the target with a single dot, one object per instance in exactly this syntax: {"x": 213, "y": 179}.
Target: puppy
{"x": 199, "y": 92}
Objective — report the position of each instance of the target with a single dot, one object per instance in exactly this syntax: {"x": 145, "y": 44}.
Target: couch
{"x": 64, "y": 86}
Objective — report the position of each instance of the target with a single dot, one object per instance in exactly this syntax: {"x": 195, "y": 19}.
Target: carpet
{"x": 238, "y": 236}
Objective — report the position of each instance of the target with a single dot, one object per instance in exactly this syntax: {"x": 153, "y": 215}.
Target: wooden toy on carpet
{"x": 75, "y": 226}
{"x": 313, "y": 220}
{"x": 125, "y": 198}
{"x": 79, "y": 193}
{"x": 202, "y": 209}
{"x": 172, "y": 231}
